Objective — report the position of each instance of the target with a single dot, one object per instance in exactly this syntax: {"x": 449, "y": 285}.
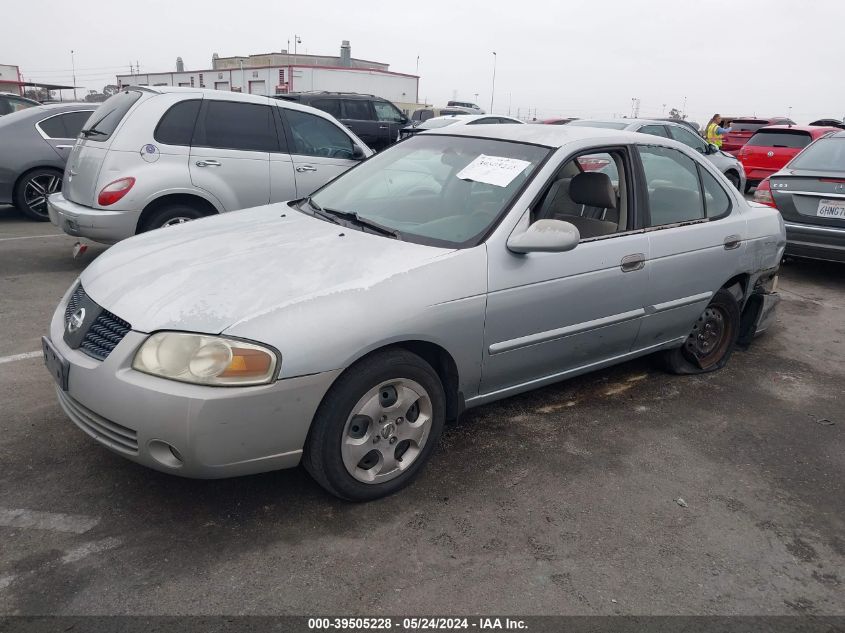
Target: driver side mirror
{"x": 545, "y": 236}
{"x": 358, "y": 152}
{"x": 711, "y": 149}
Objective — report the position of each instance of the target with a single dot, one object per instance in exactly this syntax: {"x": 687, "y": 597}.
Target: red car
{"x": 557, "y": 121}
{"x": 774, "y": 146}
{"x": 743, "y": 128}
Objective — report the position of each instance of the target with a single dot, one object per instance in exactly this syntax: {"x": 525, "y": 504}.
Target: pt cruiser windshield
{"x": 438, "y": 190}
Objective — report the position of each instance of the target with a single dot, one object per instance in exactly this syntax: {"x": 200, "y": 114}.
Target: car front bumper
{"x": 815, "y": 242}
{"x": 99, "y": 225}
{"x": 216, "y": 431}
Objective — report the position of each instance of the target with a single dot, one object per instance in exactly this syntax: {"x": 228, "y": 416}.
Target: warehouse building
{"x": 283, "y": 72}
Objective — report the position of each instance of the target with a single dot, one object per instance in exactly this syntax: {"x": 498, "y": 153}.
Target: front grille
{"x": 110, "y": 433}
{"x": 104, "y": 335}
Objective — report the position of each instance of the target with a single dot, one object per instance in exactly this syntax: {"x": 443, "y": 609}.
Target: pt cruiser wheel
{"x": 376, "y": 427}
{"x": 711, "y": 341}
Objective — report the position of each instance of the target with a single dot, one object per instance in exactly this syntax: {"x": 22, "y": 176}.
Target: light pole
{"x": 418, "y": 64}
{"x": 493, "y": 89}
{"x": 296, "y": 40}
{"x": 73, "y": 66}
{"x": 241, "y": 62}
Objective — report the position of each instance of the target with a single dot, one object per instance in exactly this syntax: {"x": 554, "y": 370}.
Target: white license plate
{"x": 831, "y": 209}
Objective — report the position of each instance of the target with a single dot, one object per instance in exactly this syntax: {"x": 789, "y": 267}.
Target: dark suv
{"x": 374, "y": 120}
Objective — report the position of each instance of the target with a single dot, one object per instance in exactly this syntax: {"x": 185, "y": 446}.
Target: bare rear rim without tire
{"x": 36, "y": 191}
{"x": 710, "y": 338}
{"x": 386, "y": 431}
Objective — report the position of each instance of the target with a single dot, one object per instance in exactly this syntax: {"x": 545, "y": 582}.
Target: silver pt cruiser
{"x": 458, "y": 267}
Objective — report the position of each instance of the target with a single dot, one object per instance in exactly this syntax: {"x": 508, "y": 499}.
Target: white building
{"x": 280, "y": 73}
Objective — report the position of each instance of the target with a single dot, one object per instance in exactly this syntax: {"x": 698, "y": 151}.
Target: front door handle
{"x": 732, "y": 242}
{"x": 304, "y": 168}
{"x": 208, "y": 163}
{"x": 382, "y": 127}
{"x": 630, "y": 263}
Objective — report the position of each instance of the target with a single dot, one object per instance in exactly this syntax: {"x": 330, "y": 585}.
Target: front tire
{"x": 712, "y": 340}
{"x": 30, "y": 195}
{"x": 377, "y": 426}
{"x": 733, "y": 177}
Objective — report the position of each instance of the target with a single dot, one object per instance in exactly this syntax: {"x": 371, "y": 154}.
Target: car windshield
{"x": 435, "y": 189}
{"x": 610, "y": 125}
{"x": 780, "y": 138}
{"x": 827, "y": 154}
{"x": 433, "y": 124}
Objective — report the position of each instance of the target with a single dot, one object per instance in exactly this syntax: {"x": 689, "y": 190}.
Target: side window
{"x": 235, "y": 125}
{"x": 674, "y": 194}
{"x": 387, "y": 112}
{"x": 716, "y": 201}
{"x": 654, "y": 130}
{"x": 315, "y": 136}
{"x": 53, "y": 127}
{"x": 73, "y": 122}
{"x": 177, "y": 125}
{"x": 357, "y": 109}
{"x": 688, "y": 138}
{"x": 330, "y": 106}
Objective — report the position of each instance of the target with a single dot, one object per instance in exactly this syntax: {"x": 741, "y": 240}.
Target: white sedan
{"x": 458, "y": 119}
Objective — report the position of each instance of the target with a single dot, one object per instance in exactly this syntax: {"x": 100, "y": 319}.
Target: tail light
{"x": 114, "y": 191}
{"x": 763, "y": 194}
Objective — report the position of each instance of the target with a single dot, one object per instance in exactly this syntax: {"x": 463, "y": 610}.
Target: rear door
{"x": 89, "y": 151}
{"x": 358, "y": 115}
{"x": 230, "y": 152}
{"x": 320, "y": 149}
{"x": 60, "y": 130}
{"x": 696, "y": 241}
{"x": 390, "y": 120}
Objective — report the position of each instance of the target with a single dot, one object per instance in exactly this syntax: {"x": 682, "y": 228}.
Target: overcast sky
{"x": 578, "y": 58}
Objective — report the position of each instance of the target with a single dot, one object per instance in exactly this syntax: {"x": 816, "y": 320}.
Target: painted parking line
{"x": 24, "y": 356}
{"x": 31, "y": 237}
{"x": 53, "y": 521}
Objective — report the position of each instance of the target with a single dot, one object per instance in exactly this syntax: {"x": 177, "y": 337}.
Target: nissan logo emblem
{"x": 76, "y": 320}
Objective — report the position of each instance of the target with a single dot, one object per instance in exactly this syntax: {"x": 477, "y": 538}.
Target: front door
{"x": 551, "y": 314}
{"x": 320, "y": 149}
{"x": 230, "y": 154}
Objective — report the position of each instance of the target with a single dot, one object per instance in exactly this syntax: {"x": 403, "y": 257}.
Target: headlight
{"x": 205, "y": 360}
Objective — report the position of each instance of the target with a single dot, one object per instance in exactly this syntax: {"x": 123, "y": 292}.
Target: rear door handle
{"x": 732, "y": 242}
{"x": 630, "y": 263}
{"x": 382, "y": 127}
{"x": 208, "y": 163}
{"x": 304, "y": 168}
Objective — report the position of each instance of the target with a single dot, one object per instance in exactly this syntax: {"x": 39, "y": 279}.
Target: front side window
{"x": 330, "y": 106}
{"x": 315, "y": 136}
{"x": 387, "y": 112}
{"x": 235, "y": 125}
{"x": 688, "y": 138}
{"x": 674, "y": 194}
{"x": 105, "y": 119}
{"x": 433, "y": 189}
{"x": 356, "y": 109}
{"x": 177, "y": 125}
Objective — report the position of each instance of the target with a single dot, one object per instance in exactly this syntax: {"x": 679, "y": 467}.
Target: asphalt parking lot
{"x": 560, "y": 501}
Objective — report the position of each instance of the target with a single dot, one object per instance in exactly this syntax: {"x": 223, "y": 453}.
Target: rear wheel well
{"x": 183, "y": 199}
{"x": 742, "y": 281}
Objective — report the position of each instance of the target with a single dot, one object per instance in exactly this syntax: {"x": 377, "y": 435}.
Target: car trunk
{"x": 801, "y": 196}
{"x": 88, "y": 154}
{"x": 770, "y": 150}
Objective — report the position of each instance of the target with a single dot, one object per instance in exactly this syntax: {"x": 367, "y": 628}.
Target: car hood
{"x": 207, "y": 275}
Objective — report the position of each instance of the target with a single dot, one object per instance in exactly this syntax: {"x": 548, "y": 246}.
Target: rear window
{"x": 780, "y": 138}
{"x": 827, "y": 154}
{"x": 433, "y": 124}
{"x": 739, "y": 125}
{"x": 102, "y": 124}
{"x": 610, "y": 125}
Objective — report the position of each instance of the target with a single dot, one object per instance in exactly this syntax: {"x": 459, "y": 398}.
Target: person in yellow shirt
{"x": 714, "y": 132}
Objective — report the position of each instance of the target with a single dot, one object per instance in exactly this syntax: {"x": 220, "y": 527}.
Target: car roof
{"x": 799, "y": 128}
{"x": 548, "y": 135}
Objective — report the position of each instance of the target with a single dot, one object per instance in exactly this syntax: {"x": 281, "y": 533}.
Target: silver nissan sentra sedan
{"x": 461, "y": 266}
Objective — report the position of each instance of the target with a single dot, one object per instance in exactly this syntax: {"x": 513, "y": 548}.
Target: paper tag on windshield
{"x": 493, "y": 170}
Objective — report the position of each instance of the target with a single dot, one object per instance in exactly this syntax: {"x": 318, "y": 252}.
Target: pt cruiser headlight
{"x": 205, "y": 360}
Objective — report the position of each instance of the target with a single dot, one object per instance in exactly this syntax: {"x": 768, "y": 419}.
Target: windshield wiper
{"x": 92, "y": 132}
{"x": 317, "y": 210}
{"x": 351, "y": 216}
